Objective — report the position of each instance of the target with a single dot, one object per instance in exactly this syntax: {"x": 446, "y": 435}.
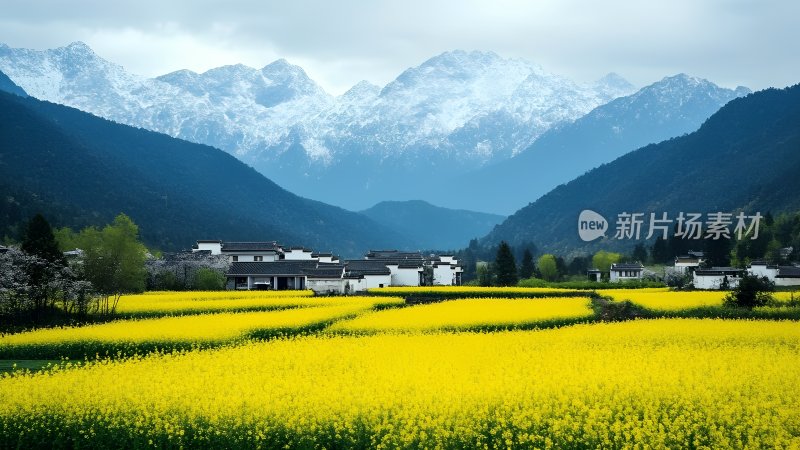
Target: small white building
{"x": 297, "y": 254}
{"x": 213, "y": 246}
{"x": 368, "y": 274}
{"x": 252, "y": 251}
{"x": 446, "y": 273}
{"x": 780, "y": 275}
{"x": 687, "y": 263}
{"x": 625, "y": 272}
{"x": 716, "y": 277}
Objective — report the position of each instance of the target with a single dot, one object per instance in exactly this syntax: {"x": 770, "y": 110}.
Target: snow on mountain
{"x": 454, "y": 112}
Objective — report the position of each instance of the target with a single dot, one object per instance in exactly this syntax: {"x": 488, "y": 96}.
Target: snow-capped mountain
{"x": 669, "y": 108}
{"x": 453, "y": 113}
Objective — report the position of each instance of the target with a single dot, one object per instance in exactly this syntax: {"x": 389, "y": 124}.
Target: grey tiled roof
{"x": 250, "y": 246}
{"x": 626, "y": 266}
{"x": 357, "y": 267}
{"x": 788, "y": 272}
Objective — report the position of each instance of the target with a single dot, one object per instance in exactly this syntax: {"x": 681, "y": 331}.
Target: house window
{"x": 234, "y": 258}
{"x": 258, "y": 258}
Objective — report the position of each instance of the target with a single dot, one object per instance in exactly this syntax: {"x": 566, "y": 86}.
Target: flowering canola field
{"x": 170, "y": 303}
{"x": 470, "y": 314}
{"x": 663, "y": 383}
{"x": 667, "y": 301}
{"x": 128, "y": 337}
{"x": 497, "y": 291}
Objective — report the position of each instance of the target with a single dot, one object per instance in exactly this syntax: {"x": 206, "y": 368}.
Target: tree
{"x": 603, "y": 260}
{"x": 659, "y": 251}
{"x": 208, "y": 280}
{"x": 751, "y": 291}
{"x": 548, "y": 267}
{"x": 639, "y": 253}
{"x": 484, "y": 272}
{"x": 505, "y": 266}
{"x": 40, "y": 241}
{"x": 578, "y": 265}
{"x": 526, "y": 268}
{"x": 47, "y": 260}
{"x": 114, "y": 260}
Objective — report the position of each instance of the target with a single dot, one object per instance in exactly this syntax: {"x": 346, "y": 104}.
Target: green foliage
{"x": 584, "y": 284}
{"x": 751, "y": 292}
{"x": 206, "y": 279}
{"x": 548, "y": 267}
{"x": 603, "y": 260}
{"x": 505, "y": 266}
{"x": 114, "y": 260}
{"x": 484, "y": 275}
{"x": 526, "y": 268}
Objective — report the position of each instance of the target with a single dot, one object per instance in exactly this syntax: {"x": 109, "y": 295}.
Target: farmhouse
{"x": 625, "y": 272}
{"x": 268, "y": 265}
{"x": 716, "y": 277}
{"x": 687, "y": 263}
{"x": 780, "y": 275}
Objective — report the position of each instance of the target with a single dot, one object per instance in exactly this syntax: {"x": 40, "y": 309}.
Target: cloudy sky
{"x": 731, "y": 42}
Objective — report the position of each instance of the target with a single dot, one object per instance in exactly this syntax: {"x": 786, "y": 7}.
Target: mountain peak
{"x": 79, "y": 47}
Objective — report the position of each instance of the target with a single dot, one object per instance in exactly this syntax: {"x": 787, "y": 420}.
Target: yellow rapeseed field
{"x": 667, "y": 301}
{"x": 138, "y": 336}
{"x": 667, "y": 383}
{"x": 194, "y": 302}
{"x": 466, "y": 314}
{"x": 495, "y": 291}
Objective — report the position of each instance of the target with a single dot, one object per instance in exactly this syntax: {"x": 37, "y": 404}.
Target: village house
{"x": 268, "y": 265}
{"x": 686, "y": 264}
{"x": 716, "y": 277}
{"x": 625, "y": 272}
{"x": 780, "y": 275}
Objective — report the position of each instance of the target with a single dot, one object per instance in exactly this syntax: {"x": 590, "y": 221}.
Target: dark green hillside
{"x": 746, "y": 156}
{"x": 81, "y": 170}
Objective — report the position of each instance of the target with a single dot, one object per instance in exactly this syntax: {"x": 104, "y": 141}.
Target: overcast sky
{"x": 731, "y": 42}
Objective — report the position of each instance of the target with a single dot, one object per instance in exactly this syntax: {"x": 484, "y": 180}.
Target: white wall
{"x": 296, "y": 255}
{"x": 443, "y": 275}
{"x": 763, "y": 271}
{"x": 615, "y": 276}
{"x": 406, "y": 277}
{"x": 250, "y": 257}
{"x": 375, "y": 281}
{"x": 713, "y": 281}
{"x": 787, "y": 281}
{"x": 214, "y": 247}
{"x": 325, "y": 285}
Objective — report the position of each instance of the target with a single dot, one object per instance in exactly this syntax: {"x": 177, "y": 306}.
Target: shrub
{"x": 752, "y": 291}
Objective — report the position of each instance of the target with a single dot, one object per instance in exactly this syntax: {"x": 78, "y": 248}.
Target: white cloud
{"x": 339, "y": 43}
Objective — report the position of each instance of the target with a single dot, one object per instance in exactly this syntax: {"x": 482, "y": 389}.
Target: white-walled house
{"x": 213, "y": 246}
{"x": 716, "y": 277}
{"x": 297, "y": 254}
{"x": 687, "y": 263}
{"x": 625, "y": 272}
{"x": 368, "y": 274}
{"x": 445, "y": 273}
{"x": 780, "y": 275}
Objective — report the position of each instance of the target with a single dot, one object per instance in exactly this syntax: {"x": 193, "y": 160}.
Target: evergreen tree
{"x": 639, "y": 253}
{"x": 40, "y": 241}
{"x": 659, "y": 251}
{"x": 527, "y": 267}
{"x": 505, "y": 266}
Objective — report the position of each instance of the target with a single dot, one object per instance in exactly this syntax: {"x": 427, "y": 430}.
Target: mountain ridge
{"x": 743, "y": 158}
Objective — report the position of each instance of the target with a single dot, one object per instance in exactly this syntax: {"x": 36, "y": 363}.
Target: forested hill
{"x": 6, "y": 85}
{"x": 746, "y": 156}
{"x": 82, "y": 170}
